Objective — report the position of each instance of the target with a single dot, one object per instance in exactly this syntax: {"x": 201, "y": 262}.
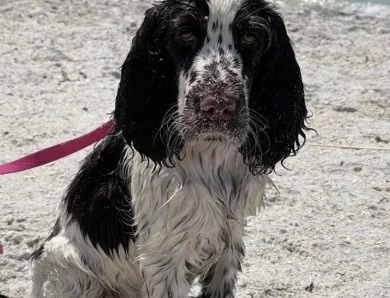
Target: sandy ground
{"x": 329, "y": 227}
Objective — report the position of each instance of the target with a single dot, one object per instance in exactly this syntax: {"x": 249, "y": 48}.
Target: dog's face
{"x": 213, "y": 89}
{"x": 212, "y": 71}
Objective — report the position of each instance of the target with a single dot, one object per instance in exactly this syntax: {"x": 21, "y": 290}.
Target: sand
{"x": 327, "y": 232}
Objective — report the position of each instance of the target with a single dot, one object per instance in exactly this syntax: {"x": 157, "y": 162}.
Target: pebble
{"x": 382, "y": 30}
{"x": 10, "y": 220}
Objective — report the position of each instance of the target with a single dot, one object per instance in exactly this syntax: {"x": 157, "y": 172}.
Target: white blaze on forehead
{"x": 219, "y": 33}
{"x": 224, "y": 9}
{"x": 221, "y": 16}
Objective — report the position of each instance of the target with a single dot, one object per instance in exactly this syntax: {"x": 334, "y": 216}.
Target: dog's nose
{"x": 218, "y": 108}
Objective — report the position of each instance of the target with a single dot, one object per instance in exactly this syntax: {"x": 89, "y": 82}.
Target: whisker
{"x": 165, "y": 122}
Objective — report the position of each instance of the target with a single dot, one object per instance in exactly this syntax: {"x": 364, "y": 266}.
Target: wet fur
{"x": 164, "y": 199}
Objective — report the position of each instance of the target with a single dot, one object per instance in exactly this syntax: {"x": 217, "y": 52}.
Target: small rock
{"x": 345, "y": 109}
{"x": 380, "y": 140}
{"x": 310, "y": 288}
{"x": 382, "y": 30}
{"x": 83, "y": 75}
{"x": 10, "y": 220}
{"x": 115, "y": 74}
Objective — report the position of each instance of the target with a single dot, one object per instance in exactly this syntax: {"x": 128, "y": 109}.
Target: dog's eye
{"x": 249, "y": 38}
{"x": 186, "y": 36}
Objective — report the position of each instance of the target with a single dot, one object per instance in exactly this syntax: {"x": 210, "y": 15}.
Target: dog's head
{"x": 212, "y": 71}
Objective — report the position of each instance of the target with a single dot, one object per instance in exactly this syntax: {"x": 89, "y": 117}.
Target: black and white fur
{"x": 210, "y": 100}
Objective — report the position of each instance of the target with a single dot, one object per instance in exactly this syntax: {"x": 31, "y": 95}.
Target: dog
{"x": 209, "y": 101}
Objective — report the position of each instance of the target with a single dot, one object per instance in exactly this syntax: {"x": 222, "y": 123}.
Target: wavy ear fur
{"x": 147, "y": 90}
{"x": 277, "y": 95}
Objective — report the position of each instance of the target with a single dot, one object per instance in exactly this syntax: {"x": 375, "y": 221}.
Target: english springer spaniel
{"x": 210, "y": 100}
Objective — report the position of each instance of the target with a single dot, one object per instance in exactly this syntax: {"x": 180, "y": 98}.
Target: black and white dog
{"x": 210, "y": 99}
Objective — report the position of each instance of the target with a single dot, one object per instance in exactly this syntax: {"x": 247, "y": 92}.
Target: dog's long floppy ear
{"x": 277, "y": 94}
{"x": 147, "y": 90}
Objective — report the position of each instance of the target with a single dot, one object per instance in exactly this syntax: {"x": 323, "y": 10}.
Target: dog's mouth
{"x": 196, "y": 127}
{"x": 215, "y": 136}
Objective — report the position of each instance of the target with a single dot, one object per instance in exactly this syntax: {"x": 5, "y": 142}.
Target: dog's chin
{"x": 227, "y": 137}
{"x": 215, "y": 138}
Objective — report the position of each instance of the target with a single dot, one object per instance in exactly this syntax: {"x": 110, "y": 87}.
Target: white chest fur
{"x": 190, "y": 212}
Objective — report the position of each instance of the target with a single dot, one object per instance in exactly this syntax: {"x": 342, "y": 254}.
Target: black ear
{"x": 147, "y": 91}
{"x": 277, "y": 94}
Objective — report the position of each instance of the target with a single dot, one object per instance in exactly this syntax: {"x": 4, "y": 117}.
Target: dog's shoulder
{"x": 99, "y": 198}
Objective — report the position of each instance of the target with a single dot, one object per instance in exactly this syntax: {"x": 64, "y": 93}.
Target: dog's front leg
{"x": 220, "y": 280}
{"x": 164, "y": 277}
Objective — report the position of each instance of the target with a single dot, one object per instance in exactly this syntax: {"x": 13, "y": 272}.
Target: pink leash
{"x": 57, "y": 152}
